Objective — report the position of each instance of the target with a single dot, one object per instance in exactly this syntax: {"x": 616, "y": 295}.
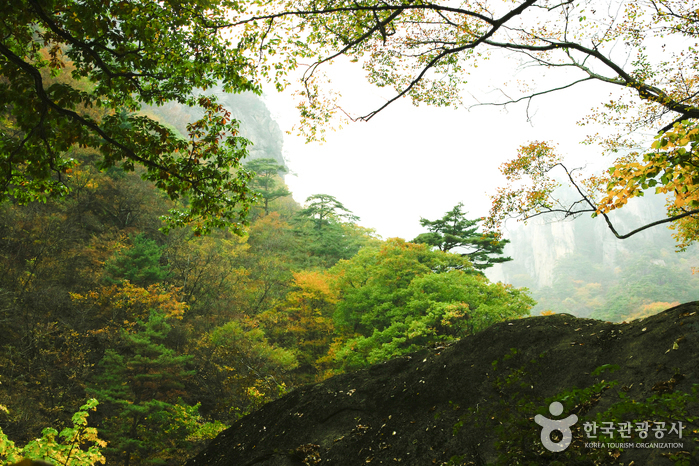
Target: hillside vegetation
{"x": 178, "y": 336}
{"x": 161, "y": 289}
{"x": 580, "y": 268}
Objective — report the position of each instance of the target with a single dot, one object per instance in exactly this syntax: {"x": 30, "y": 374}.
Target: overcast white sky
{"x": 410, "y": 162}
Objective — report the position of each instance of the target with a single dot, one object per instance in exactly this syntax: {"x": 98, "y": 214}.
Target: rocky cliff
{"x": 256, "y": 123}
{"x": 538, "y": 247}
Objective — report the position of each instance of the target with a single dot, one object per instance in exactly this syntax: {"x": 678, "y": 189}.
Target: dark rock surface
{"x": 404, "y": 411}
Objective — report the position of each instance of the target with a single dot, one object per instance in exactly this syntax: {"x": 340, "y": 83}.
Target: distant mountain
{"x": 256, "y": 123}
{"x": 580, "y": 267}
{"x": 538, "y": 246}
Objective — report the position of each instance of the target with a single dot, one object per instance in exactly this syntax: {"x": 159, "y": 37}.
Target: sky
{"x": 410, "y": 162}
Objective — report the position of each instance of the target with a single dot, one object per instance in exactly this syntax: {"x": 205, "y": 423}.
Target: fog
{"x": 410, "y": 162}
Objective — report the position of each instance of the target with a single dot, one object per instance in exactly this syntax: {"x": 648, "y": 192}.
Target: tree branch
{"x": 482, "y": 39}
{"x": 309, "y": 72}
{"x": 531, "y": 96}
{"x": 570, "y": 212}
{"x": 645, "y": 91}
{"x": 652, "y": 224}
{"x": 84, "y": 47}
{"x": 328, "y": 11}
{"x": 85, "y": 122}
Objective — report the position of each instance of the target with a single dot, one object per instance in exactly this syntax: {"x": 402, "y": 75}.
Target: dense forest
{"x": 158, "y": 283}
{"x": 178, "y": 335}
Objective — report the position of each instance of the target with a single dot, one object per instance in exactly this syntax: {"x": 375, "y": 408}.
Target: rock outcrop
{"x": 539, "y": 246}
{"x": 474, "y": 402}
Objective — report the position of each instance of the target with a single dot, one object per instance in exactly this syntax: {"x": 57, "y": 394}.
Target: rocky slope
{"x": 474, "y": 402}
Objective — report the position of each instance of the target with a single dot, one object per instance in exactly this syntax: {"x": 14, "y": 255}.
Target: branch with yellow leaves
{"x": 533, "y": 192}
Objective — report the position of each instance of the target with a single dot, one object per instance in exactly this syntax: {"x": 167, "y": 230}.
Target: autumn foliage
{"x": 179, "y": 335}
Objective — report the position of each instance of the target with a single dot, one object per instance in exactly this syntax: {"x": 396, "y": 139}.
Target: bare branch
{"x": 649, "y": 225}
{"x": 645, "y": 91}
{"x": 531, "y": 96}
{"x": 593, "y": 208}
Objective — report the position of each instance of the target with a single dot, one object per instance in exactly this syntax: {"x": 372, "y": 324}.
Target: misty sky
{"x": 410, "y": 162}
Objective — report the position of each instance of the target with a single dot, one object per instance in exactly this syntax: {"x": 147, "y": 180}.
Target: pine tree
{"x": 138, "y": 386}
{"x": 323, "y": 210}
{"x": 327, "y": 231}
{"x": 139, "y": 264}
{"x": 455, "y": 231}
{"x": 267, "y": 183}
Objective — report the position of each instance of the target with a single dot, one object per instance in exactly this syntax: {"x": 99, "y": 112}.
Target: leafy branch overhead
{"x": 641, "y": 52}
{"x": 78, "y": 73}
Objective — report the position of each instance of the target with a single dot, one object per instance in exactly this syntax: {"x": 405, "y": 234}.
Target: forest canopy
{"x": 77, "y": 74}
{"x": 177, "y": 336}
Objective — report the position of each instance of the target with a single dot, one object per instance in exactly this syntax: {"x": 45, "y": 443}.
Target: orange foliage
{"x": 530, "y": 187}
{"x": 651, "y": 309}
{"x": 118, "y": 306}
{"x": 312, "y": 286}
{"x": 304, "y": 320}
